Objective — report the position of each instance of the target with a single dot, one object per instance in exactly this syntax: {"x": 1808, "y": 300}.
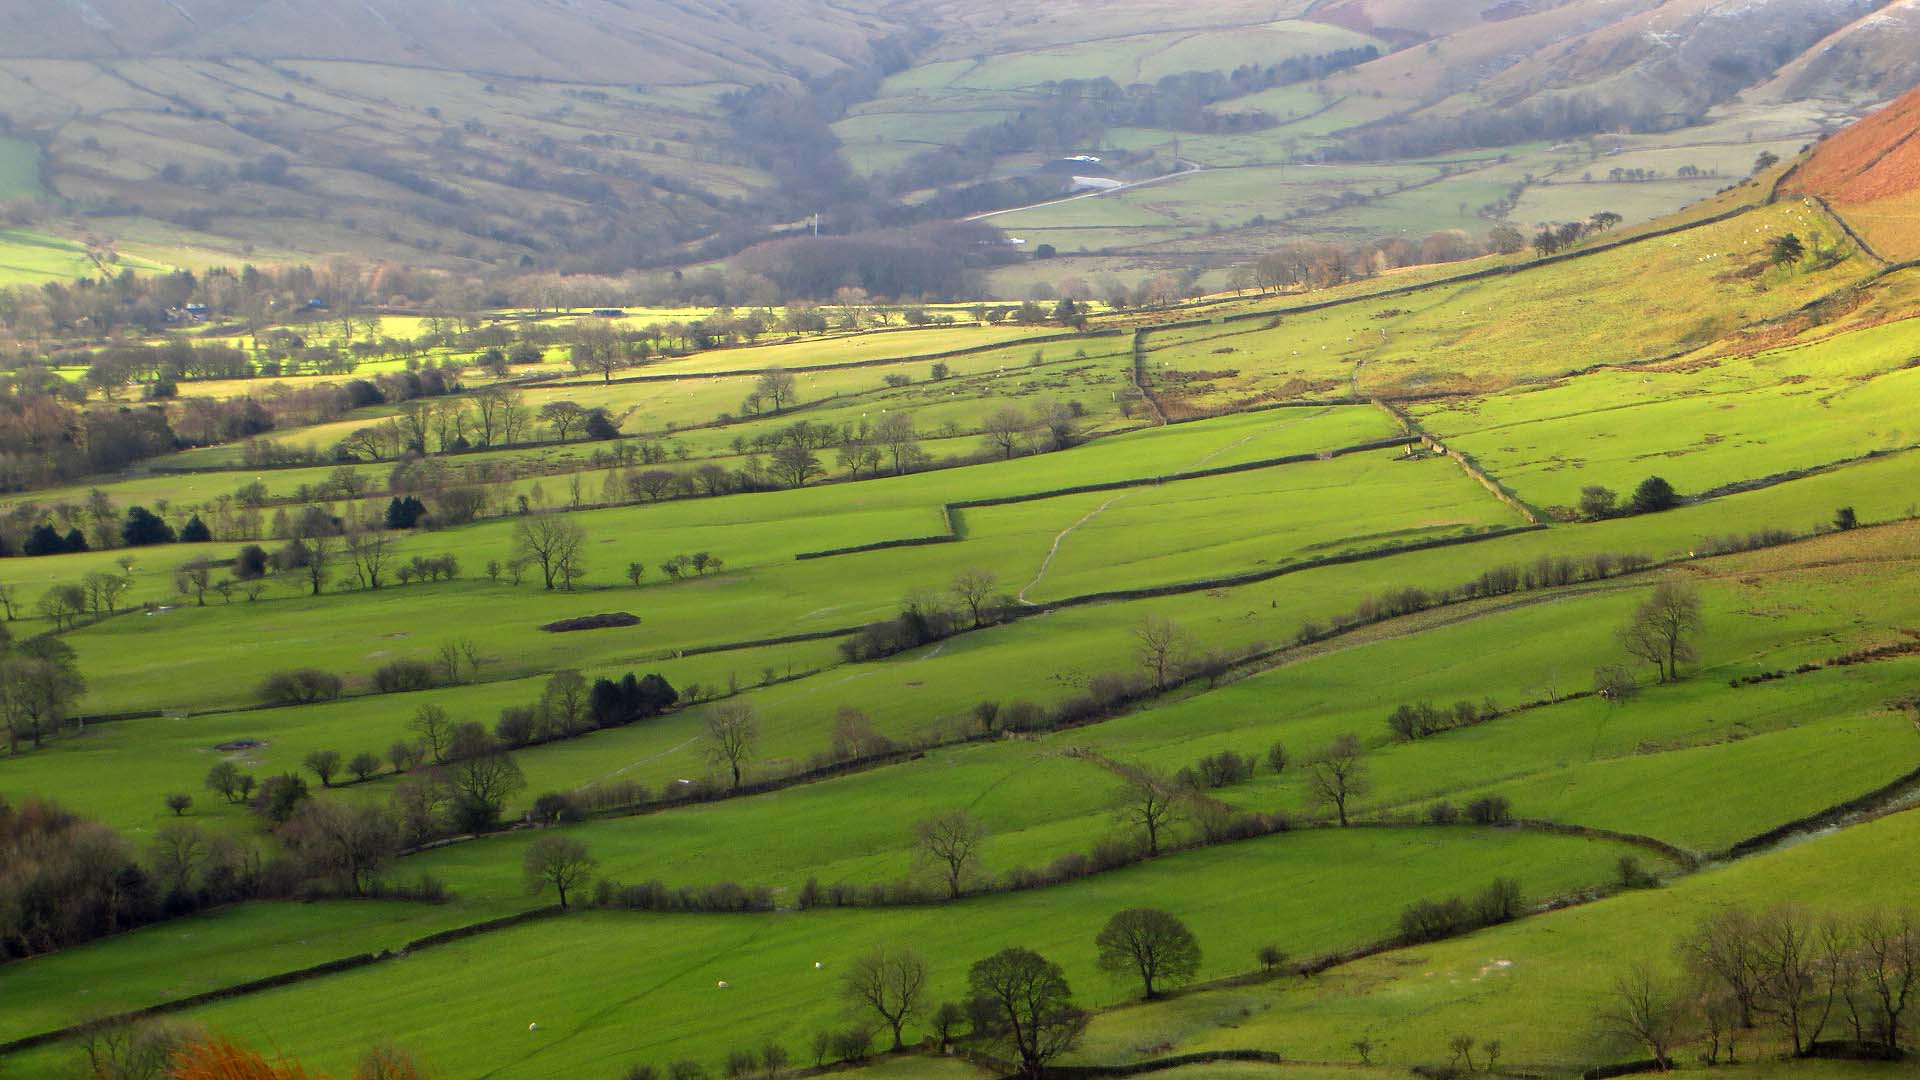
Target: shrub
{"x": 397, "y": 676}
{"x": 1433, "y": 920}
{"x": 279, "y": 796}
{"x": 1490, "y": 810}
{"x": 1443, "y": 813}
{"x": 1271, "y": 957}
{"x": 1630, "y": 874}
{"x": 364, "y": 765}
{"x": 301, "y": 687}
{"x": 557, "y": 808}
{"x": 517, "y": 725}
{"x": 1654, "y": 495}
{"x": 1224, "y": 769}
{"x": 1277, "y": 759}
{"x": 1500, "y": 902}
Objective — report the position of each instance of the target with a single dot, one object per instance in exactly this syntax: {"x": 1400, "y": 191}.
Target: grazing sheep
{"x": 817, "y": 965}
{"x": 535, "y": 1026}
{"x": 722, "y": 984}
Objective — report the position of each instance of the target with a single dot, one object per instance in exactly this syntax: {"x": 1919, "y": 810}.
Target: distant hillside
{"x": 635, "y": 41}
{"x": 1877, "y": 158}
{"x": 1870, "y": 174}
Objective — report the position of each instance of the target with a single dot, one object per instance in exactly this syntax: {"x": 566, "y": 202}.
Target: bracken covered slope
{"x": 1870, "y": 173}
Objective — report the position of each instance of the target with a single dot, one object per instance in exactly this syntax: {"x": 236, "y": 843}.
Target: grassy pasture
{"x": 19, "y": 169}
{"x": 1701, "y": 425}
{"x": 668, "y": 965}
{"x": 1535, "y": 985}
{"x": 1630, "y": 304}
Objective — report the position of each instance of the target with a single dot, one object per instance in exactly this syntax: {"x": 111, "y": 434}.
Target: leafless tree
{"x": 556, "y": 861}
{"x": 1644, "y": 1012}
{"x": 371, "y": 550}
{"x": 951, "y": 840}
{"x": 553, "y": 542}
{"x": 1149, "y": 801}
{"x": 1162, "y": 645}
{"x": 192, "y": 577}
{"x": 435, "y": 729}
{"x": 974, "y": 588}
{"x": 890, "y": 981}
{"x": 731, "y": 735}
{"x": 1337, "y": 775}
{"x": 1660, "y": 629}
{"x": 1005, "y": 429}
{"x": 777, "y": 386}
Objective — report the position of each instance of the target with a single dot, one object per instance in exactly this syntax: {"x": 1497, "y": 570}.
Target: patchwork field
{"x": 1339, "y": 526}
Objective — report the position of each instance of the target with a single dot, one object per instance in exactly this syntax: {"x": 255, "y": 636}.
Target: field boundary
{"x": 950, "y": 509}
{"x": 842, "y": 365}
{"x": 285, "y": 978}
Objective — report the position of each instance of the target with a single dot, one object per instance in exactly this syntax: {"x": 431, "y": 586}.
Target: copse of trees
{"x": 1786, "y": 969}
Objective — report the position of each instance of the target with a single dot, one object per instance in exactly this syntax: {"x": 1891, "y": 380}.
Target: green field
{"x": 1315, "y": 586}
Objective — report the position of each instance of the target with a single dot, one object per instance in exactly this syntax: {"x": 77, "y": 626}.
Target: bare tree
{"x": 974, "y": 588}
{"x": 553, "y": 542}
{"x": 1644, "y": 1012}
{"x": 1797, "y": 984}
{"x": 556, "y": 861}
{"x": 952, "y": 840}
{"x": 895, "y": 432}
{"x": 370, "y": 550}
{"x": 192, "y": 577}
{"x": 1150, "y": 802}
{"x": 351, "y": 843}
{"x": 1724, "y": 948}
{"x": 1005, "y": 429}
{"x": 731, "y": 735}
{"x": 319, "y": 554}
{"x": 1337, "y": 775}
{"x": 1162, "y": 646}
{"x": 10, "y": 601}
{"x": 890, "y": 981}
{"x": 435, "y": 729}
{"x": 776, "y": 385}
{"x": 1660, "y": 629}
{"x": 1889, "y": 971}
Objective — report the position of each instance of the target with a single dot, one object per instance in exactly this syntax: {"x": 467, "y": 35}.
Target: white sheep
{"x": 817, "y": 965}
{"x": 535, "y": 1026}
{"x": 722, "y": 984}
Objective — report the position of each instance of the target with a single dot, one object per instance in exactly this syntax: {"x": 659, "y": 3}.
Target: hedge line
{"x": 949, "y": 509}
{"x": 1487, "y": 272}
{"x": 1256, "y": 576}
{"x": 845, "y": 365}
{"x": 1857, "y": 804}
{"x": 274, "y": 982}
{"x": 1076, "y": 1072}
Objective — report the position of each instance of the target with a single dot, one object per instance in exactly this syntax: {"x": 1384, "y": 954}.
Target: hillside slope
{"x": 1870, "y": 173}
{"x": 655, "y": 41}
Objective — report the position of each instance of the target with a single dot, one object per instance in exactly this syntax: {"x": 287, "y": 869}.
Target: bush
{"x": 1654, "y": 495}
{"x": 279, "y": 796}
{"x": 1490, "y": 810}
{"x": 397, "y": 676}
{"x": 1443, "y": 813}
{"x": 558, "y": 808}
{"x": 1499, "y": 903}
{"x": 1433, "y": 920}
{"x": 1271, "y": 957}
{"x": 1630, "y": 874}
{"x": 301, "y": 687}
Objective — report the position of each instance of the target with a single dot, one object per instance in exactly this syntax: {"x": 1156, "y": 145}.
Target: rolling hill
{"x": 513, "y": 136}
{"x": 1867, "y": 173}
